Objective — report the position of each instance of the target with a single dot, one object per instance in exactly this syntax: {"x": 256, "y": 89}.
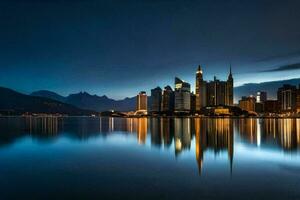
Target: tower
{"x": 200, "y": 90}
{"x": 156, "y": 100}
{"x": 182, "y": 96}
{"x": 141, "y": 102}
{"x": 229, "y": 89}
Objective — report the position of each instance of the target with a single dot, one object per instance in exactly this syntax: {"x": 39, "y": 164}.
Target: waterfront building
{"x": 182, "y": 96}
{"x": 259, "y": 107}
{"x": 247, "y": 103}
{"x": 156, "y": 100}
{"x": 200, "y": 90}
{"x": 141, "y": 103}
{"x": 287, "y": 96}
{"x": 261, "y": 96}
{"x": 229, "y": 89}
{"x": 271, "y": 106}
{"x": 168, "y": 99}
{"x": 193, "y": 103}
{"x": 213, "y": 93}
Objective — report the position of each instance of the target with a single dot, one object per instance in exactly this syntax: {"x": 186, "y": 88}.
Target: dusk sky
{"x": 118, "y": 48}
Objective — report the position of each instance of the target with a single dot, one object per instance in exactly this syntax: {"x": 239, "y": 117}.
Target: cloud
{"x": 284, "y": 68}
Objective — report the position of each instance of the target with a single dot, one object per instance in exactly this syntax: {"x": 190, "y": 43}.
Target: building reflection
{"x": 182, "y": 134}
{"x": 47, "y": 126}
{"x": 156, "y": 132}
{"x": 142, "y": 128}
{"x": 214, "y": 134}
{"x": 283, "y": 133}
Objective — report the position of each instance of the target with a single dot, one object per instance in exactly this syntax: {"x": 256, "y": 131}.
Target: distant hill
{"x": 17, "y": 103}
{"x": 270, "y": 87}
{"x": 85, "y": 100}
{"x": 49, "y": 94}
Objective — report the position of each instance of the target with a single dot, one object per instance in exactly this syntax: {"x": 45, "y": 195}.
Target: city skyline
{"x": 116, "y": 48}
{"x": 150, "y": 99}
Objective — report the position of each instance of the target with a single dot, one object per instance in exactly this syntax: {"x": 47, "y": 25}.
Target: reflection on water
{"x": 283, "y": 133}
{"x": 155, "y": 158}
{"x": 215, "y": 134}
{"x": 207, "y": 134}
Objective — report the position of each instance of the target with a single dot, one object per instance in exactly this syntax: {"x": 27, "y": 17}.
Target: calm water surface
{"x": 154, "y": 158}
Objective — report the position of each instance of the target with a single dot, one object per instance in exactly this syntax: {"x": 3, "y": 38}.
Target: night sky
{"x": 118, "y": 48}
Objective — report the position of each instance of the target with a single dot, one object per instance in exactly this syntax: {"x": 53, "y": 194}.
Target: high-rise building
{"x": 287, "y": 96}
{"x": 182, "y": 96}
{"x": 156, "y": 100}
{"x": 247, "y": 103}
{"x": 141, "y": 102}
{"x": 193, "y": 103}
{"x": 168, "y": 99}
{"x": 229, "y": 90}
{"x": 214, "y": 92}
{"x": 200, "y": 90}
{"x": 261, "y": 96}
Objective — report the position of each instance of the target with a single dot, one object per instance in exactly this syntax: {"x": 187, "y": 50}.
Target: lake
{"x": 149, "y": 158}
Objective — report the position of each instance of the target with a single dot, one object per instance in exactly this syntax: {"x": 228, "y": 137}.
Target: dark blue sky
{"x": 120, "y": 47}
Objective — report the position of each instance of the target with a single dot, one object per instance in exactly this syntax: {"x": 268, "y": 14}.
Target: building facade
{"x": 193, "y": 103}
{"x": 271, "y": 106}
{"x": 247, "y": 103}
{"x": 200, "y": 90}
{"x": 287, "y": 97}
{"x": 141, "y": 102}
{"x": 213, "y": 93}
{"x": 182, "y": 96}
{"x": 156, "y": 100}
{"x": 168, "y": 99}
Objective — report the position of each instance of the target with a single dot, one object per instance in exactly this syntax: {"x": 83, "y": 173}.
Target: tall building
{"x": 168, "y": 99}
{"x": 200, "y": 90}
{"x": 247, "y": 103}
{"x": 182, "y": 96}
{"x": 193, "y": 103}
{"x": 213, "y": 93}
{"x": 141, "y": 102}
{"x": 216, "y": 92}
{"x": 229, "y": 89}
{"x": 156, "y": 100}
{"x": 287, "y": 96}
{"x": 261, "y": 96}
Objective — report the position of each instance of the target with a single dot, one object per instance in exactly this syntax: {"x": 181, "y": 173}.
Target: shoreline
{"x": 203, "y": 117}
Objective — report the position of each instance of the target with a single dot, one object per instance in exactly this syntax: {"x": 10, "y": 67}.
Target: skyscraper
{"x": 200, "y": 90}
{"x": 287, "y": 96}
{"x": 193, "y": 103}
{"x": 214, "y": 92}
{"x": 156, "y": 100}
{"x": 229, "y": 90}
{"x": 182, "y": 96}
{"x": 168, "y": 99}
{"x": 141, "y": 102}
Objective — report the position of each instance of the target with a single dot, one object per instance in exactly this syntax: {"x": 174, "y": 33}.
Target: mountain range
{"x": 85, "y": 100}
{"x": 12, "y": 102}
